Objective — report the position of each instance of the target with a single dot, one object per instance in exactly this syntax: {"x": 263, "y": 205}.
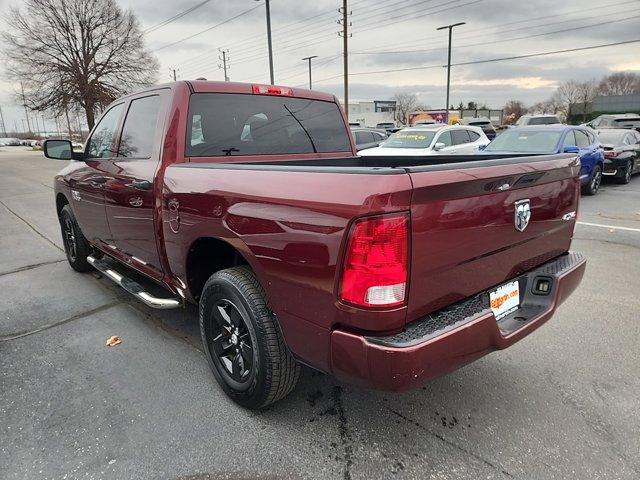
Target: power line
{"x": 175, "y": 17}
{"x": 535, "y": 35}
{"x": 208, "y": 29}
{"x": 483, "y": 31}
{"x": 490, "y": 60}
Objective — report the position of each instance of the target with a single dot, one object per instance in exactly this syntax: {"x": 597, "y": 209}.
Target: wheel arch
{"x": 61, "y": 201}
{"x": 207, "y": 255}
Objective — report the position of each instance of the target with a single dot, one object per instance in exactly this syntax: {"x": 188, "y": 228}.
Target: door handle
{"x": 140, "y": 184}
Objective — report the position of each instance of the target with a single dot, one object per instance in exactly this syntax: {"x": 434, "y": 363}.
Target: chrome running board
{"x": 133, "y": 287}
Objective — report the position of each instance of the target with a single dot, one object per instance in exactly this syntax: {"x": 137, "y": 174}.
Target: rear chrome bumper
{"x": 454, "y": 336}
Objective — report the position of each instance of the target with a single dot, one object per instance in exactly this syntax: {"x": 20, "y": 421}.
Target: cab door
{"x": 88, "y": 180}
{"x": 129, "y": 194}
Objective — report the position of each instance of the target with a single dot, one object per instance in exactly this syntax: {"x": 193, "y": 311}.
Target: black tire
{"x": 626, "y": 174}
{"x": 233, "y": 311}
{"x": 76, "y": 245}
{"x": 595, "y": 181}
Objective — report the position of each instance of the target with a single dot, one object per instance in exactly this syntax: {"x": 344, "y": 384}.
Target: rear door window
{"x": 243, "y": 124}
{"x": 569, "y": 140}
{"x": 582, "y": 140}
{"x": 459, "y": 137}
{"x": 473, "y": 136}
{"x": 138, "y": 132}
{"x": 364, "y": 137}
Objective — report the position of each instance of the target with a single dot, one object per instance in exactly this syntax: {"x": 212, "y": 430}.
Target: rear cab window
{"x": 222, "y": 124}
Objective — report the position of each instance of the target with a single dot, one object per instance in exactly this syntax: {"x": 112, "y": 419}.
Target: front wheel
{"x": 242, "y": 341}
{"x": 593, "y": 186}
{"x": 76, "y": 246}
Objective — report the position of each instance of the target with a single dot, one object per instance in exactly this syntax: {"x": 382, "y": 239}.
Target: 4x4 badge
{"x": 522, "y": 214}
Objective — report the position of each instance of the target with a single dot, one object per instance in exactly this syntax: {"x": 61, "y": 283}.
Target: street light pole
{"x": 309, "y": 59}
{"x": 450, "y": 27}
{"x": 268, "y": 11}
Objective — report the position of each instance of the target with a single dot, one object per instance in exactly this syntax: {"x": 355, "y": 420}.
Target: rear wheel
{"x": 242, "y": 341}
{"x": 593, "y": 186}
{"x": 76, "y": 245}
{"x": 625, "y": 177}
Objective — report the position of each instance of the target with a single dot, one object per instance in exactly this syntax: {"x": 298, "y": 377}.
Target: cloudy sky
{"x": 395, "y": 45}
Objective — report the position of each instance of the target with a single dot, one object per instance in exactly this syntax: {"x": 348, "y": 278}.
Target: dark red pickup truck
{"x": 250, "y": 200}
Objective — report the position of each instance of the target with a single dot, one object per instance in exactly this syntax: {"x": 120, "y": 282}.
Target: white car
{"x": 436, "y": 139}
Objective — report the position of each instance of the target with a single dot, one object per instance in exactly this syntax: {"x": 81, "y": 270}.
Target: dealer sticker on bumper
{"x": 505, "y": 299}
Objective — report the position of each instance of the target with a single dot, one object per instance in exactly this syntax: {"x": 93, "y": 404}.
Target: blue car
{"x": 556, "y": 139}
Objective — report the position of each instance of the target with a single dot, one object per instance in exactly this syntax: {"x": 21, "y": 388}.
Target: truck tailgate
{"x": 464, "y": 235}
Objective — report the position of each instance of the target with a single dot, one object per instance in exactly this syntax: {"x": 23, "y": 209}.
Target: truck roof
{"x": 206, "y": 86}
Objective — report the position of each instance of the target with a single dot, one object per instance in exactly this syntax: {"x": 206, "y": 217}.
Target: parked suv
{"x": 439, "y": 139}
{"x": 483, "y": 122}
{"x": 528, "y": 119}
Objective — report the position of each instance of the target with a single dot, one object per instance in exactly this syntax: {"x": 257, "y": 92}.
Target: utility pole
{"x": 4, "y": 127}
{"x": 309, "y": 59}
{"x": 224, "y": 60}
{"x": 345, "y": 35}
{"x": 268, "y": 12}
{"x": 172, "y": 73}
{"x": 450, "y": 27}
{"x": 24, "y": 104}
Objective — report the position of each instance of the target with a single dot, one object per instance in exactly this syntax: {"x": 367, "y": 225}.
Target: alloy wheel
{"x": 231, "y": 342}
{"x": 595, "y": 181}
{"x": 69, "y": 237}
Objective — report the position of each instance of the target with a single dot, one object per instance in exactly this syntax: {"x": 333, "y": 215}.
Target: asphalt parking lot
{"x": 563, "y": 403}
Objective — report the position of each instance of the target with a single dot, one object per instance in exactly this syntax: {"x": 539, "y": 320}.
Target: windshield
{"x": 238, "y": 124}
{"x": 404, "y": 139}
{"x": 525, "y": 142}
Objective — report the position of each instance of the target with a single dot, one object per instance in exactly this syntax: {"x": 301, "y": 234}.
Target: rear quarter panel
{"x": 289, "y": 226}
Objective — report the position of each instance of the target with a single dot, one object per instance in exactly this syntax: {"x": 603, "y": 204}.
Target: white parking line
{"x": 628, "y": 229}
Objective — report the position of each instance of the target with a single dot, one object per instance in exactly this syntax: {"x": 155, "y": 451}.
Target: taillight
{"x": 375, "y": 267}
{"x": 610, "y": 153}
{"x": 271, "y": 90}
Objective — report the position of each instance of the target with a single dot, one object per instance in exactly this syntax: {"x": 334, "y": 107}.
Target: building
{"x": 373, "y": 112}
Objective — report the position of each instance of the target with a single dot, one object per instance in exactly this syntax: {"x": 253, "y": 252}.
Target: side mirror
{"x": 571, "y": 149}
{"x": 482, "y": 147}
{"x": 439, "y": 146}
{"x": 58, "y": 149}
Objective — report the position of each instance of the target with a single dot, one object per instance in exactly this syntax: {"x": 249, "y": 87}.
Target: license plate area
{"x": 505, "y": 299}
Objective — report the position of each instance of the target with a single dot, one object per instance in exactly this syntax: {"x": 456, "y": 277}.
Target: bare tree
{"x": 405, "y": 104}
{"x": 565, "y": 96}
{"x": 76, "y": 53}
{"x": 512, "y": 111}
{"x": 587, "y": 91}
{"x": 621, "y": 83}
{"x": 544, "y": 107}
